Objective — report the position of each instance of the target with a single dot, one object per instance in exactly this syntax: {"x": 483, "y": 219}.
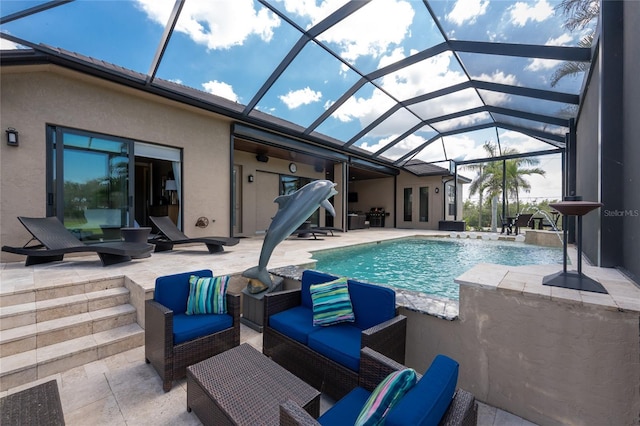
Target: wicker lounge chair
{"x": 164, "y": 347}
{"x": 55, "y": 241}
{"x": 170, "y": 235}
{"x": 330, "y": 229}
{"x": 308, "y": 232}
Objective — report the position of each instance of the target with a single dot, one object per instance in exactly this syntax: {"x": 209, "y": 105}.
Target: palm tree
{"x": 488, "y": 178}
{"x": 571, "y": 67}
{"x": 516, "y": 173}
{"x": 579, "y": 13}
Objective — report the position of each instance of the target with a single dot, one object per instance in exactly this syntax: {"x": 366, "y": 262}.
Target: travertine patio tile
{"x": 104, "y": 412}
{"x": 80, "y": 393}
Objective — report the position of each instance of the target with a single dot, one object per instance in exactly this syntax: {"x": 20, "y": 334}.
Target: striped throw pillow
{"x": 331, "y": 303}
{"x": 207, "y": 295}
{"x": 385, "y": 396}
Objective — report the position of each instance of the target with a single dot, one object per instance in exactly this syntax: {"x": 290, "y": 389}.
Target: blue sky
{"x": 229, "y": 48}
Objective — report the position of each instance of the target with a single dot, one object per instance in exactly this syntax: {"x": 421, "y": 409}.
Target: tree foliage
{"x": 579, "y": 14}
{"x": 488, "y": 180}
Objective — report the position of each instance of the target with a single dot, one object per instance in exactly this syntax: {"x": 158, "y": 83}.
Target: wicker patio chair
{"x": 374, "y": 367}
{"x": 327, "y": 375}
{"x": 522, "y": 220}
{"x": 171, "y": 358}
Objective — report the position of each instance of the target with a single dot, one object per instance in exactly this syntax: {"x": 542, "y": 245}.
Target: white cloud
{"x": 563, "y": 40}
{"x": 522, "y": 12}
{"x": 497, "y": 98}
{"x": 9, "y": 45}
{"x": 311, "y": 10}
{"x": 305, "y": 96}
{"x": 364, "y": 109}
{"x": 538, "y": 64}
{"x": 218, "y": 24}
{"x": 424, "y": 77}
{"x": 467, "y": 11}
{"x": 372, "y": 30}
{"x": 222, "y": 89}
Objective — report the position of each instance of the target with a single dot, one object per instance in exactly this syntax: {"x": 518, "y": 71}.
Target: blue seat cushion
{"x": 372, "y": 304}
{"x": 428, "y": 400}
{"x": 296, "y": 323}
{"x": 310, "y": 277}
{"x": 340, "y": 343}
{"x": 172, "y": 291}
{"x": 189, "y": 327}
{"x": 346, "y": 410}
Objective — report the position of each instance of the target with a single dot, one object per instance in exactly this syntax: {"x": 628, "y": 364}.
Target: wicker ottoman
{"x": 38, "y": 405}
{"x": 243, "y": 387}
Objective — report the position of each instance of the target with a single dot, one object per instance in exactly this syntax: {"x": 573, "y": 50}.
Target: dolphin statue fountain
{"x": 293, "y": 211}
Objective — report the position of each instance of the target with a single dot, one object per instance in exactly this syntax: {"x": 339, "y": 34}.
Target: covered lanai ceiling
{"x": 385, "y": 80}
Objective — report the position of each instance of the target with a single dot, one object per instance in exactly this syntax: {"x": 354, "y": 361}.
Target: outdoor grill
{"x": 376, "y": 217}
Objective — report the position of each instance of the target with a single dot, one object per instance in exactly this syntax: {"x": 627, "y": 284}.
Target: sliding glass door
{"x": 89, "y": 188}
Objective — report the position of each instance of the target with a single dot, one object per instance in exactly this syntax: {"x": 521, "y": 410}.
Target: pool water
{"x": 428, "y": 265}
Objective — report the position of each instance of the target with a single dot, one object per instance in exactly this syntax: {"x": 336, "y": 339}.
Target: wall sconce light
{"x": 250, "y": 178}
{"x": 437, "y": 189}
{"x": 12, "y": 137}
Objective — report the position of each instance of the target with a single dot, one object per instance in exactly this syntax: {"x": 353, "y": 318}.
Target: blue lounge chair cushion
{"x": 372, "y": 304}
{"x": 172, "y": 291}
{"x": 428, "y": 400}
{"x": 347, "y": 409}
{"x": 310, "y": 277}
{"x": 340, "y": 343}
{"x": 296, "y": 323}
{"x": 189, "y": 327}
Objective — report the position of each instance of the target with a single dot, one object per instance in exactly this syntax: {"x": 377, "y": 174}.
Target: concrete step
{"x": 45, "y": 361}
{"x": 8, "y": 297}
{"x": 33, "y": 336}
{"x": 38, "y": 311}
{"x": 50, "y": 330}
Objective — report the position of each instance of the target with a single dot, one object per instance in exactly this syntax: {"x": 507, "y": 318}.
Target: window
{"x": 408, "y": 204}
{"x": 424, "y": 204}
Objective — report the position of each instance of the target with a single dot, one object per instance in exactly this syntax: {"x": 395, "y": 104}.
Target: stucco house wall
{"x": 255, "y": 194}
{"x": 436, "y": 200}
{"x": 35, "y": 96}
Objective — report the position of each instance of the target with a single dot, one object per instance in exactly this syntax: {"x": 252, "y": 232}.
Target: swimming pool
{"x": 428, "y": 265}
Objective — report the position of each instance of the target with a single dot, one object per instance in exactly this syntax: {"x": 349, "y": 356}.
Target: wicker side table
{"x": 242, "y": 386}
